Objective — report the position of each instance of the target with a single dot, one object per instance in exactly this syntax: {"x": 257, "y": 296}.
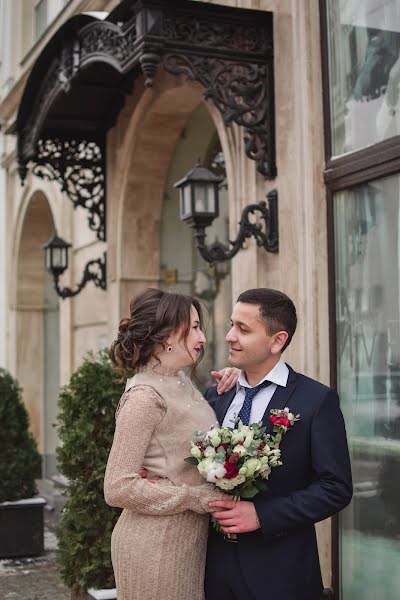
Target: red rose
{"x": 280, "y": 421}
{"x": 234, "y": 458}
{"x": 224, "y": 446}
{"x": 231, "y": 470}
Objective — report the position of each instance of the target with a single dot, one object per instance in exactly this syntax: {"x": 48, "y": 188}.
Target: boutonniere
{"x": 282, "y": 419}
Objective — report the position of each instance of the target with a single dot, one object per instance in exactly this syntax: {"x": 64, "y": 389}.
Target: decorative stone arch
{"x": 35, "y": 308}
{"x": 144, "y": 145}
{"x": 33, "y": 190}
{"x": 155, "y": 122}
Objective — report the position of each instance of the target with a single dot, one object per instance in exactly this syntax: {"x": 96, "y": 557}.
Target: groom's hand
{"x": 236, "y": 516}
{"x": 226, "y": 378}
{"x": 143, "y": 473}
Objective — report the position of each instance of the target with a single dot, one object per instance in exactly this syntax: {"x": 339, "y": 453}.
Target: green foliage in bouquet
{"x": 86, "y": 426}
{"x": 20, "y": 461}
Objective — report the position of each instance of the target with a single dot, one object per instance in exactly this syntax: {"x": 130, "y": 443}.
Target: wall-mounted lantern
{"x": 199, "y": 207}
{"x": 199, "y": 203}
{"x": 56, "y": 262}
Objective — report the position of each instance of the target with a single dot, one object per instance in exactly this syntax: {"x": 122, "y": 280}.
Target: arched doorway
{"x": 170, "y": 127}
{"x": 181, "y": 266}
{"x": 37, "y": 329}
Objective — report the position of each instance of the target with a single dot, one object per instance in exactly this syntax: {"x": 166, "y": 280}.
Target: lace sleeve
{"x": 141, "y": 409}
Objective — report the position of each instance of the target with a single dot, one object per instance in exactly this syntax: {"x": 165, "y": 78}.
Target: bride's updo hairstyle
{"x": 155, "y": 314}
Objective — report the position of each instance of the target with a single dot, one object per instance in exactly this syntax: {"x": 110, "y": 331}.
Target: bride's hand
{"x": 226, "y": 378}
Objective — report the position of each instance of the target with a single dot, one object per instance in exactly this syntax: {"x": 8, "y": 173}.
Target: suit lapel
{"x": 222, "y": 404}
{"x": 280, "y": 399}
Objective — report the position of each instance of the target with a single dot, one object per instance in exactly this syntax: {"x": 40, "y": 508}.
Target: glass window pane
{"x": 367, "y": 245}
{"x": 40, "y": 21}
{"x": 364, "y": 72}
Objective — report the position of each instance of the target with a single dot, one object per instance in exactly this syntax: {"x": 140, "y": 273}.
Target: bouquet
{"x": 239, "y": 461}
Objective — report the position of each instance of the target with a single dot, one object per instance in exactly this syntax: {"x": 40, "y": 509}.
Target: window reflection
{"x": 364, "y": 64}
{"x": 368, "y": 355}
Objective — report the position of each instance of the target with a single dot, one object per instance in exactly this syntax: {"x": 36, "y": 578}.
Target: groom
{"x": 276, "y": 554}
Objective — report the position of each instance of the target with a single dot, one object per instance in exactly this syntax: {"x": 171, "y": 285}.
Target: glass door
{"x": 367, "y": 250}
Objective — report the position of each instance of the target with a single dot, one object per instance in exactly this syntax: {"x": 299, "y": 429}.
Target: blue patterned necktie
{"x": 250, "y": 393}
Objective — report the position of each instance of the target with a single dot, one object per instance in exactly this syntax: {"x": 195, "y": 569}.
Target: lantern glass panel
{"x": 211, "y": 198}
{"x": 47, "y": 259}
{"x": 58, "y": 259}
{"x": 205, "y": 198}
{"x": 186, "y": 201}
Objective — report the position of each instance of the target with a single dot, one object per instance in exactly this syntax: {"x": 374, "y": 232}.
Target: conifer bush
{"x": 20, "y": 461}
{"x": 86, "y": 426}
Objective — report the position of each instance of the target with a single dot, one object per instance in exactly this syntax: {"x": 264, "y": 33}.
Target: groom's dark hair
{"x": 276, "y": 310}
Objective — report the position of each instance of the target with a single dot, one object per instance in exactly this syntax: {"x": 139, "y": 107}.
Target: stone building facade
{"x": 158, "y": 134}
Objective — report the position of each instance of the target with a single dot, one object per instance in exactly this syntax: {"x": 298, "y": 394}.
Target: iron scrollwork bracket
{"x": 267, "y": 238}
{"x": 95, "y": 270}
{"x": 79, "y": 168}
{"x": 230, "y": 53}
{"x": 243, "y": 93}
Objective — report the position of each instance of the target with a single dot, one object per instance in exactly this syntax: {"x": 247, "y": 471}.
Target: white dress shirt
{"x": 278, "y": 376}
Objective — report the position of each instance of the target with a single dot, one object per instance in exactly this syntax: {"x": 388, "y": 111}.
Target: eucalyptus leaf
{"x": 191, "y": 460}
{"x": 249, "y": 491}
{"x": 261, "y": 485}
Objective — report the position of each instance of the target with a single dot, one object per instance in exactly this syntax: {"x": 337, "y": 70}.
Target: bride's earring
{"x": 169, "y": 348}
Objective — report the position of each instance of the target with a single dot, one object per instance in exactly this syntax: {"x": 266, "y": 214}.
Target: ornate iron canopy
{"x": 77, "y": 86}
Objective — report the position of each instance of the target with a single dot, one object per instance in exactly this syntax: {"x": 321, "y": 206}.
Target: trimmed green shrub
{"x": 20, "y": 461}
{"x": 86, "y": 426}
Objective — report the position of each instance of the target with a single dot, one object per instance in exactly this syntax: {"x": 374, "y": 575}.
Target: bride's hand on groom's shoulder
{"x": 226, "y": 378}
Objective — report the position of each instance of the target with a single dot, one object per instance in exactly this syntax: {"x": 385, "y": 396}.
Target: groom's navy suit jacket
{"x": 280, "y": 560}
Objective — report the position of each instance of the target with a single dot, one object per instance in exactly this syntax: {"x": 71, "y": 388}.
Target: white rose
{"x": 225, "y": 484}
{"x": 237, "y": 436}
{"x": 239, "y": 449}
{"x": 203, "y": 466}
{"x": 265, "y": 469}
{"x": 209, "y": 451}
{"x": 249, "y": 438}
{"x": 230, "y": 484}
{"x": 252, "y": 465}
{"x": 243, "y": 428}
{"x": 210, "y": 434}
{"x": 215, "y": 441}
{"x": 195, "y": 451}
{"x": 238, "y": 479}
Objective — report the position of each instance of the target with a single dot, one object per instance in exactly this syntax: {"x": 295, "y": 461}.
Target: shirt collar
{"x": 278, "y": 375}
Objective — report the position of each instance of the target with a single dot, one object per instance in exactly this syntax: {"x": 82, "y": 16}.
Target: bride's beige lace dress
{"x": 159, "y": 543}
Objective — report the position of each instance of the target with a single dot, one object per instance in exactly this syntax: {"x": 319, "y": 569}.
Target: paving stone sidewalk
{"x": 33, "y": 578}
{"x": 37, "y": 578}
